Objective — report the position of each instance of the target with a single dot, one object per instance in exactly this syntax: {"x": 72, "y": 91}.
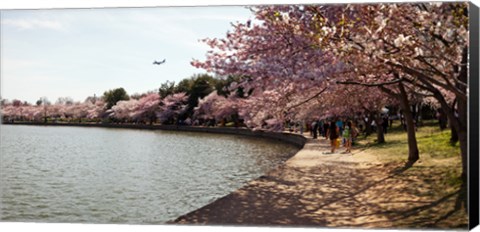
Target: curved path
{"x": 315, "y": 188}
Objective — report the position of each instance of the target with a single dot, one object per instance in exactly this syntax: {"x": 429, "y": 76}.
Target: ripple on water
{"x": 99, "y": 175}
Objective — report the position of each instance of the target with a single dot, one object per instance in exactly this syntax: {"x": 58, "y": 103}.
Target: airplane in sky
{"x": 159, "y": 63}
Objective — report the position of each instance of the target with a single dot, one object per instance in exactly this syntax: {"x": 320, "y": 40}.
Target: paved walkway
{"x": 315, "y": 188}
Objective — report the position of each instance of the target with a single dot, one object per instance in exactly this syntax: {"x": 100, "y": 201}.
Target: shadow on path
{"x": 340, "y": 194}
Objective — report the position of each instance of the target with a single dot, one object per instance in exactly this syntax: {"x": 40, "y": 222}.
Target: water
{"x": 100, "y": 175}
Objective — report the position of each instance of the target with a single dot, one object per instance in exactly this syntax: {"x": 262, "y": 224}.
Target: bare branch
{"x": 370, "y": 84}
{"x": 307, "y": 100}
{"x": 388, "y": 91}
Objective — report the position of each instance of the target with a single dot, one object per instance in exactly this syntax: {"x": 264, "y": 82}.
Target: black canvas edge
{"x": 473, "y": 164}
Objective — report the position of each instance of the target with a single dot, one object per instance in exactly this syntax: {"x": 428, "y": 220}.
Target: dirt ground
{"x": 315, "y": 188}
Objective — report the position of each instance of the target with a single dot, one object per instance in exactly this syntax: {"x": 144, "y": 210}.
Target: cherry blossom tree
{"x": 399, "y": 48}
{"x": 417, "y": 46}
{"x": 123, "y": 110}
{"x": 171, "y": 107}
{"x": 147, "y": 108}
{"x": 206, "y": 106}
{"x": 283, "y": 69}
{"x": 57, "y": 111}
{"x": 96, "y": 110}
{"x": 7, "y": 112}
{"x": 78, "y": 110}
{"x": 217, "y": 107}
{"x": 279, "y": 68}
{"x": 21, "y": 111}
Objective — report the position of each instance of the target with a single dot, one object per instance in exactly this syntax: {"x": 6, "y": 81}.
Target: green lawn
{"x": 432, "y": 143}
{"x": 435, "y": 151}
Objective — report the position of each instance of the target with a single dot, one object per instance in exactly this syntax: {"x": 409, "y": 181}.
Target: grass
{"x": 433, "y": 144}
{"x": 439, "y": 161}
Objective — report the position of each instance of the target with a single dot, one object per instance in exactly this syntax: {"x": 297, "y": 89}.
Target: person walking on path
{"x": 355, "y": 132}
{"x": 326, "y": 125}
{"x": 320, "y": 128}
{"x": 347, "y": 135}
{"x": 333, "y": 133}
{"x": 340, "y": 125}
{"x": 385, "y": 124}
{"x": 315, "y": 128}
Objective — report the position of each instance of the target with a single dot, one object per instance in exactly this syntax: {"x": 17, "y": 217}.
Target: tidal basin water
{"x": 100, "y": 175}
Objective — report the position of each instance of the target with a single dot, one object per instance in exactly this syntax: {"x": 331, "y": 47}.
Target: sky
{"x": 81, "y": 52}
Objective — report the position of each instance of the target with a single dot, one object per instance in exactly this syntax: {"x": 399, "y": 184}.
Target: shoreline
{"x": 296, "y": 140}
{"x": 290, "y": 138}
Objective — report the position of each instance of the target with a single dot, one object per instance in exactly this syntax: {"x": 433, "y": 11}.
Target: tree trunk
{"x": 368, "y": 125}
{"x": 443, "y": 120}
{"x": 462, "y": 115}
{"x": 463, "y": 139}
{"x": 453, "y": 136}
{"x": 413, "y": 155}
{"x": 380, "y": 134}
{"x": 459, "y": 124}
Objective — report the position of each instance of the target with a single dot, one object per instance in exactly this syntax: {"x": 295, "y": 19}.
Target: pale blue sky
{"x": 79, "y": 52}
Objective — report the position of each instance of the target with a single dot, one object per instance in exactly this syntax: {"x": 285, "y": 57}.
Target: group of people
{"x": 337, "y": 131}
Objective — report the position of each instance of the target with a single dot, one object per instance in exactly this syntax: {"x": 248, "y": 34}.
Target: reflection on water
{"x": 99, "y": 175}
